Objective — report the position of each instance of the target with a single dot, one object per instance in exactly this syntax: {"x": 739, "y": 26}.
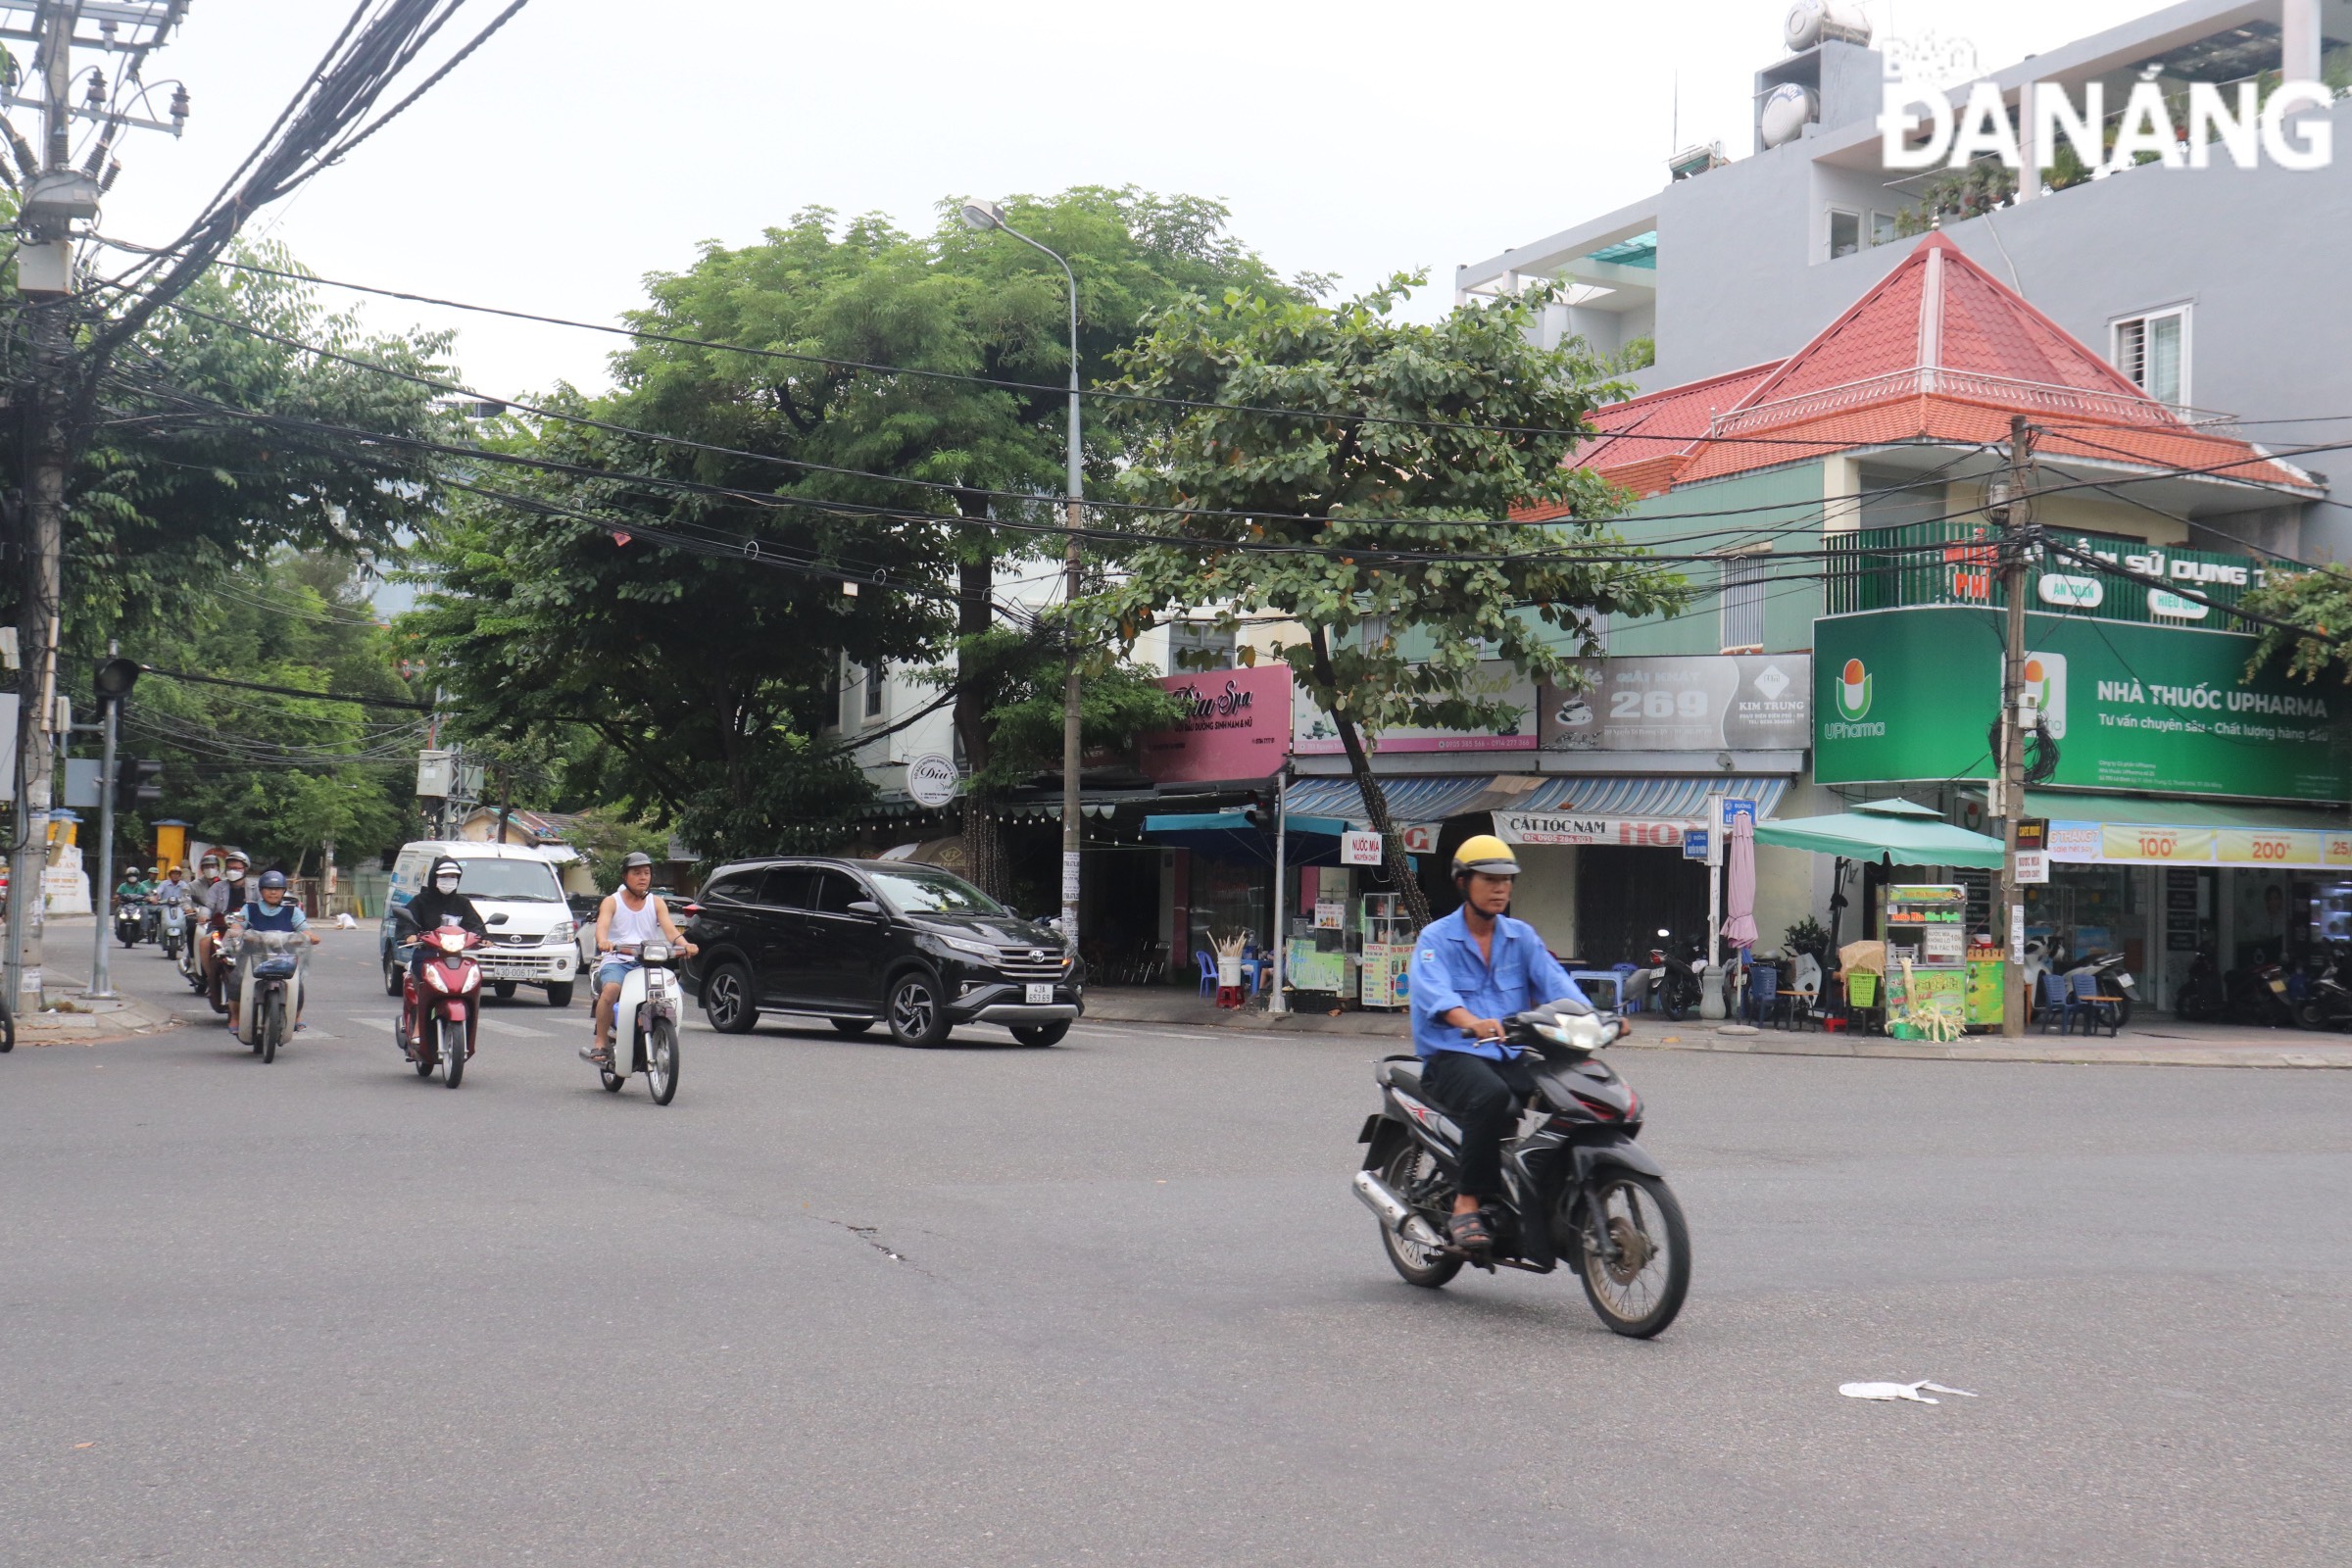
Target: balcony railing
{"x": 1955, "y": 563}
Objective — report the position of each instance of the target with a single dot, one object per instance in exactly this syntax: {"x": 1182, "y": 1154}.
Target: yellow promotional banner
{"x": 2140, "y": 840}
{"x": 2338, "y": 849}
{"x": 2253, "y": 846}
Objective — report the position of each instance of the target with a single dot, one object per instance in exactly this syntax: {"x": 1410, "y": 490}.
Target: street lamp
{"x": 984, "y": 214}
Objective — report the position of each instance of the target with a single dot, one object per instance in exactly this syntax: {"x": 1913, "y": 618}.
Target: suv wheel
{"x": 1041, "y": 1033}
{"x": 727, "y": 999}
{"x": 918, "y": 1015}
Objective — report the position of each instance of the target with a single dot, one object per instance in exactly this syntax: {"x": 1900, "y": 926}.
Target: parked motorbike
{"x": 2327, "y": 1005}
{"x": 2116, "y": 983}
{"x": 644, "y": 1023}
{"x": 2202, "y": 995}
{"x": 269, "y": 966}
{"x": 1675, "y": 973}
{"x": 1580, "y": 1189}
{"x": 451, "y": 1003}
{"x": 129, "y": 923}
{"x": 2258, "y": 995}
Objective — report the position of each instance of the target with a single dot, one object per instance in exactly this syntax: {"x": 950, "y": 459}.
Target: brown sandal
{"x": 1469, "y": 1232}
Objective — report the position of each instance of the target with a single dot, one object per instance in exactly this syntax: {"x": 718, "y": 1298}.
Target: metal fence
{"x": 1949, "y": 562}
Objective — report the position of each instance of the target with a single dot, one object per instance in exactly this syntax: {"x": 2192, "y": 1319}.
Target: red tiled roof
{"x": 1938, "y": 351}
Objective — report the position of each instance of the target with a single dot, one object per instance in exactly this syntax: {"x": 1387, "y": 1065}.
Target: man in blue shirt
{"x": 1470, "y": 970}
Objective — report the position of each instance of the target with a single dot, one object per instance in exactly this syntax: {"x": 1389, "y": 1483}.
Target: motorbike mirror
{"x": 404, "y": 918}
{"x": 864, "y": 906}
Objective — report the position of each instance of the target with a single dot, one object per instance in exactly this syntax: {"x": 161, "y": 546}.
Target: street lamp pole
{"x": 981, "y": 214}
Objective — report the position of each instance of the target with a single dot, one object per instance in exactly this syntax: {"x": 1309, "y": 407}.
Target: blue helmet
{"x": 273, "y": 879}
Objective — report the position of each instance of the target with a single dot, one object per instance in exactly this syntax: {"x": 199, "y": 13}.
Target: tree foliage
{"x": 278, "y": 775}
{"x": 711, "y": 678}
{"x": 2318, "y": 600}
{"x": 1383, "y": 512}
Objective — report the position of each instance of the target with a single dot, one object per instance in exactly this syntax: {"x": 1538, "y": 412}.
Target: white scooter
{"x": 644, "y": 1023}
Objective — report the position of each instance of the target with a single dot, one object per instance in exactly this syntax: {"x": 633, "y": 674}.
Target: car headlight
{"x": 986, "y": 953}
{"x": 561, "y": 933}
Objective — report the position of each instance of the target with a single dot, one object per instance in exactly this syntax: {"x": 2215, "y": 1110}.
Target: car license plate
{"x": 1040, "y": 994}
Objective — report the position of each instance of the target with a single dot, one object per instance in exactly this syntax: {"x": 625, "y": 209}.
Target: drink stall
{"x": 1926, "y": 948}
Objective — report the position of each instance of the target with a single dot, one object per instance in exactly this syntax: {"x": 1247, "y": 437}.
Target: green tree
{"x": 1376, "y": 523}
{"x": 2318, "y": 603}
{"x": 278, "y": 775}
{"x": 530, "y": 612}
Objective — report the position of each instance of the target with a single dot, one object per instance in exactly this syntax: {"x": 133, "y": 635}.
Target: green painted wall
{"x": 1788, "y": 518}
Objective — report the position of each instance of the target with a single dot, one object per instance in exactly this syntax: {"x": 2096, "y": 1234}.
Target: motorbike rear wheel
{"x": 216, "y": 987}
{"x": 662, "y": 1062}
{"x": 1412, "y": 1171}
{"x": 1678, "y": 996}
{"x": 1639, "y": 1292}
{"x": 453, "y": 1051}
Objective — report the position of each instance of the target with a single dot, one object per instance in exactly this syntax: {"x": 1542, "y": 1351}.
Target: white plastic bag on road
{"x": 1898, "y": 1390}
{"x": 344, "y": 922}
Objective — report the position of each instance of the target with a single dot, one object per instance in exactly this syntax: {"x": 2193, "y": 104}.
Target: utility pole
{"x": 983, "y": 216}
{"x": 2010, "y": 512}
{"x": 115, "y": 679}
{"x": 53, "y": 197}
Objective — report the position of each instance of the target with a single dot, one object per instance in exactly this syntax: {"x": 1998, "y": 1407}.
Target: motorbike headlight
{"x": 655, "y": 953}
{"x": 1554, "y": 1033}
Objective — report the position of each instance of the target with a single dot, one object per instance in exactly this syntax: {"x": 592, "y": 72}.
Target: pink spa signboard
{"x": 1240, "y": 727}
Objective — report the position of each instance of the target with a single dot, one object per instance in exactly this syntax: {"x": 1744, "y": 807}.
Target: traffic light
{"x": 134, "y": 784}
{"x": 114, "y": 680}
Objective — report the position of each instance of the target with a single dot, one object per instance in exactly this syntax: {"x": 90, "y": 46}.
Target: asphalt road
{"x": 1112, "y": 1302}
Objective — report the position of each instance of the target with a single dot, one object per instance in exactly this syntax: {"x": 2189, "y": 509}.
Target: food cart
{"x": 1926, "y": 924}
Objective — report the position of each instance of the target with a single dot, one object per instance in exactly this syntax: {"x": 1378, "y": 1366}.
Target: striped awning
{"x": 1437, "y": 797}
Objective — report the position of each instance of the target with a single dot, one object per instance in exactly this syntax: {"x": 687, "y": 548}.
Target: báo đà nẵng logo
{"x": 1851, "y": 698}
{"x": 2236, "y": 118}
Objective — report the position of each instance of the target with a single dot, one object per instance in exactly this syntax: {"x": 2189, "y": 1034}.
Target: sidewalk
{"x": 2158, "y": 1042}
{"x": 72, "y": 1018}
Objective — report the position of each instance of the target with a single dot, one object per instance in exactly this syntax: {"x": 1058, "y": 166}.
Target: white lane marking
{"x": 499, "y": 1026}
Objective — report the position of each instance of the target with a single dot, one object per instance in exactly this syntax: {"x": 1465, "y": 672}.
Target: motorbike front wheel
{"x": 1638, "y": 1291}
{"x": 270, "y": 1026}
{"x": 1678, "y": 996}
{"x": 1413, "y": 1172}
{"x": 662, "y": 1062}
{"x": 453, "y": 1051}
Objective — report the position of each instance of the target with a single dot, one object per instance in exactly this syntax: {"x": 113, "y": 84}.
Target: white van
{"x": 520, "y": 894}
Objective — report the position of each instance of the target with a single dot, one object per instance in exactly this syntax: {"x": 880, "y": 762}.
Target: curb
{"x": 1740, "y": 1040}
{"x": 82, "y": 1022}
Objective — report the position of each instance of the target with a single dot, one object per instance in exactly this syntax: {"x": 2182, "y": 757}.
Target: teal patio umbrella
{"x": 1905, "y": 833}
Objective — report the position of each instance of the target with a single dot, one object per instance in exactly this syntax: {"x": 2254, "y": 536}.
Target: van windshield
{"x": 516, "y": 881}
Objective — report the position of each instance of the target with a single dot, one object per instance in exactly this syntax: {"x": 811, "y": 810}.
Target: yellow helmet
{"x": 1483, "y": 851}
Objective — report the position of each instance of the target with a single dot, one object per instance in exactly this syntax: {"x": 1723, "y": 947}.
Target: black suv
{"x": 866, "y": 941}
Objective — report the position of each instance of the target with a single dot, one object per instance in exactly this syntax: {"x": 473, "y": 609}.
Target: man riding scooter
{"x": 224, "y": 899}
{"x": 273, "y": 911}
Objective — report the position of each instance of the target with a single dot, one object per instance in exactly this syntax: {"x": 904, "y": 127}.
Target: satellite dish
{"x": 1813, "y": 21}
{"x": 1788, "y": 110}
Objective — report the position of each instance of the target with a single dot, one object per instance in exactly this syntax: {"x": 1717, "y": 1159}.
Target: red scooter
{"x": 451, "y": 1002}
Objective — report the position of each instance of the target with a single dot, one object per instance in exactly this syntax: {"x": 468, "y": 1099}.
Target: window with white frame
{"x": 2152, "y": 352}
{"x": 1743, "y": 594}
{"x": 876, "y": 677}
{"x": 1846, "y": 232}
{"x": 1883, "y": 229}
{"x": 1200, "y": 645}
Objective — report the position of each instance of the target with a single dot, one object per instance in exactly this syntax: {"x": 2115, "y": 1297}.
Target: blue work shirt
{"x": 288, "y": 917}
{"x": 1448, "y": 973}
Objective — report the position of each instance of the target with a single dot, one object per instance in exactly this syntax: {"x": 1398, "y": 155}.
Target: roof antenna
{"x": 1674, "y": 143}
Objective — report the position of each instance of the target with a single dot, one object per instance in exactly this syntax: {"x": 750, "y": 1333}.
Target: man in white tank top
{"x": 629, "y": 917}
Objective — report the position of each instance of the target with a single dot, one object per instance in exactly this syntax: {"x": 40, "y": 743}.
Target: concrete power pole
{"x": 55, "y": 195}
{"x": 2011, "y": 513}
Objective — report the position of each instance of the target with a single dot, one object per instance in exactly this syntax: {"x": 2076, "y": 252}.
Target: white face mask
{"x": 236, "y": 873}
{"x": 446, "y": 884}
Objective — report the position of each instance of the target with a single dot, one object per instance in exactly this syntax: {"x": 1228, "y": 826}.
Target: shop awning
{"x": 2122, "y": 830}
{"x": 1434, "y": 799}
{"x": 1232, "y": 836}
{"x": 1908, "y": 834}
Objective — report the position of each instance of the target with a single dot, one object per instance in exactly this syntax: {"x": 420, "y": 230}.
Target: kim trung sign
{"x": 1711, "y": 702}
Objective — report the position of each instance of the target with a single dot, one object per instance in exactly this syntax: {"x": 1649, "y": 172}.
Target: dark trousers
{"x": 1477, "y": 1091}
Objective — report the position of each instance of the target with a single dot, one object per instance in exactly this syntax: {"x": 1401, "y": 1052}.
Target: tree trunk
{"x": 1376, "y": 801}
{"x": 983, "y": 833}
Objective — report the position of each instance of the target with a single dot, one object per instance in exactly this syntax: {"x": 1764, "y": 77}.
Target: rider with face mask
{"x": 437, "y": 903}
{"x": 221, "y": 900}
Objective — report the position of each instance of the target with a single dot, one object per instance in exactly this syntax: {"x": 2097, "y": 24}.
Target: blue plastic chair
{"x": 1208, "y": 973}
{"x": 1763, "y": 992}
{"x": 2052, "y": 1001}
{"x": 1603, "y": 988}
{"x": 2085, "y": 999}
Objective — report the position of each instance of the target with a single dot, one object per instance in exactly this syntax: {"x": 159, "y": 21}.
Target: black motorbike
{"x": 2328, "y": 1003}
{"x": 129, "y": 923}
{"x": 1677, "y": 970}
{"x": 1580, "y": 1189}
{"x": 2202, "y": 995}
{"x": 2258, "y": 995}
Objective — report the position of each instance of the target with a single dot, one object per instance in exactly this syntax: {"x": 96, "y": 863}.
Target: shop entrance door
{"x": 1624, "y": 894}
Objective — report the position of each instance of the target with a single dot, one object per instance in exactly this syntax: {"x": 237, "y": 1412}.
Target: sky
{"x": 593, "y": 142}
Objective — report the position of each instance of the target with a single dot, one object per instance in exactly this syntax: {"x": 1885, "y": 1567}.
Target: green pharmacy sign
{"x": 1911, "y": 695}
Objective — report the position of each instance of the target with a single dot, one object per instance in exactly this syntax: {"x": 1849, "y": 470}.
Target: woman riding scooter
{"x": 438, "y": 904}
